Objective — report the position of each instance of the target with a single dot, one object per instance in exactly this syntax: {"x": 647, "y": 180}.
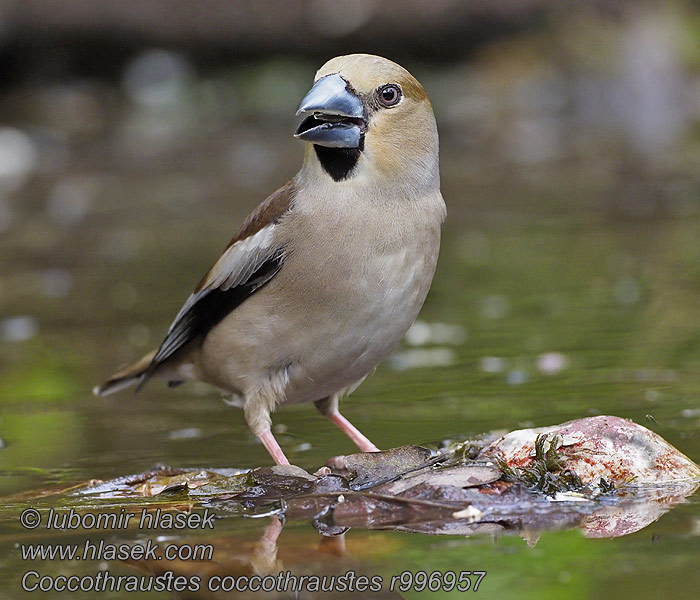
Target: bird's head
{"x": 368, "y": 117}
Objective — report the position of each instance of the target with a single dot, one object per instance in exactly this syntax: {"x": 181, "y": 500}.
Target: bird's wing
{"x": 253, "y": 257}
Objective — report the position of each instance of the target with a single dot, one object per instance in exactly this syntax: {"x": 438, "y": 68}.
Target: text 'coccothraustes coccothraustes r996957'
{"x": 324, "y": 278}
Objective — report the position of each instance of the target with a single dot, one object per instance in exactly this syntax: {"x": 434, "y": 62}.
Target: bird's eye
{"x": 389, "y": 95}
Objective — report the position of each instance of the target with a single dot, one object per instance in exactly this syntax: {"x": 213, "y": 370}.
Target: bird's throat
{"x": 338, "y": 162}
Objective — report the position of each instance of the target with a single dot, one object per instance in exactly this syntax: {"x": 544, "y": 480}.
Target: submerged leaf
{"x": 371, "y": 468}
{"x": 461, "y": 477}
{"x": 174, "y": 483}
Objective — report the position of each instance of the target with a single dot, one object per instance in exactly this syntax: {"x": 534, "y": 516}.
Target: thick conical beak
{"x": 337, "y": 115}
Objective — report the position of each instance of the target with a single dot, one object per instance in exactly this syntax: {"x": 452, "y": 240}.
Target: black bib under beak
{"x": 337, "y": 119}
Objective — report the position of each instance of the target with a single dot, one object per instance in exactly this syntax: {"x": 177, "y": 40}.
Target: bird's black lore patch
{"x": 339, "y": 162}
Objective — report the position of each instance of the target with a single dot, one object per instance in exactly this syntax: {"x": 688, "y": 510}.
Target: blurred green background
{"x": 135, "y": 136}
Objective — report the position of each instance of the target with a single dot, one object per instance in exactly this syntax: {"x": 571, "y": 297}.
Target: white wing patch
{"x": 230, "y": 270}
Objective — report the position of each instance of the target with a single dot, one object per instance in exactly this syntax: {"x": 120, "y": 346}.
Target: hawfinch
{"x": 324, "y": 278}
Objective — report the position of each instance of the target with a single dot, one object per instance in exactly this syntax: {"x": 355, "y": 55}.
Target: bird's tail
{"x": 126, "y": 377}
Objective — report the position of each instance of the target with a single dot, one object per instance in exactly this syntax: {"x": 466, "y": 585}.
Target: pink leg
{"x": 360, "y": 440}
{"x": 328, "y": 407}
{"x": 273, "y": 447}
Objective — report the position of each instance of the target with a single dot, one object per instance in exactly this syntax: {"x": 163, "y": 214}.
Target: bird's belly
{"x": 359, "y": 324}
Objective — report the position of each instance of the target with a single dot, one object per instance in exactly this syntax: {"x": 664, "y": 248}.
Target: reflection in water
{"x": 309, "y": 567}
{"x": 643, "y": 508}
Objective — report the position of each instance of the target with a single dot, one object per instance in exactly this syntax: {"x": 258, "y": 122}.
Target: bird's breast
{"x": 364, "y": 290}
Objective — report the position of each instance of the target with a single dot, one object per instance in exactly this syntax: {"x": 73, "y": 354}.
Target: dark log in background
{"x": 47, "y": 39}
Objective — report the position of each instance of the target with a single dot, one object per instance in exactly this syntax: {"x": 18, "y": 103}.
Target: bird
{"x": 323, "y": 279}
